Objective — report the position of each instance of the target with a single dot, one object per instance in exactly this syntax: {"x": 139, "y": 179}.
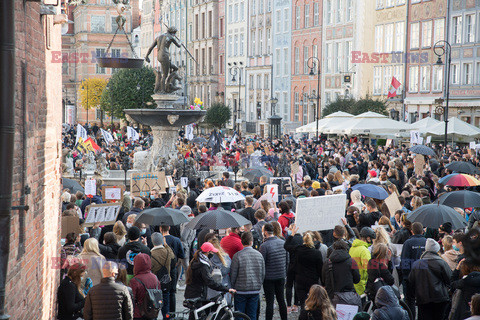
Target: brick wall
{"x": 32, "y": 278}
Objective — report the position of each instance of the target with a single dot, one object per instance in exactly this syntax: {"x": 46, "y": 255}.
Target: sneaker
{"x": 294, "y": 309}
{"x": 179, "y": 287}
{"x": 289, "y": 310}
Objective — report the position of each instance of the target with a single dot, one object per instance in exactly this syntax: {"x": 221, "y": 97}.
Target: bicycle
{"x": 217, "y": 308}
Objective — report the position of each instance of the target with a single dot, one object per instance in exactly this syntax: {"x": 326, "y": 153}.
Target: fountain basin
{"x": 166, "y": 117}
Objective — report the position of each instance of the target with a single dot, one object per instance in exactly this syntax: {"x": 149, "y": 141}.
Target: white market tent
{"x": 372, "y": 124}
{"x": 424, "y": 124}
{"x": 333, "y": 118}
{"x": 456, "y": 128}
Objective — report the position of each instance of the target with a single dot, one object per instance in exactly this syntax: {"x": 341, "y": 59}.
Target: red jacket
{"x": 231, "y": 244}
{"x": 141, "y": 269}
{"x": 284, "y": 223}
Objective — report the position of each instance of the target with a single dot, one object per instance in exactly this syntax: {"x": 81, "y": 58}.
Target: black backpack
{"x": 256, "y": 239}
{"x": 152, "y": 303}
{"x": 163, "y": 275}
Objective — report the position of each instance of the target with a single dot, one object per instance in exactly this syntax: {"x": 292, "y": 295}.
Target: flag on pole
{"x": 233, "y": 141}
{"x": 132, "y": 134}
{"x": 107, "y": 136}
{"x": 81, "y": 133}
{"x": 92, "y": 146}
{"x": 392, "y": 92}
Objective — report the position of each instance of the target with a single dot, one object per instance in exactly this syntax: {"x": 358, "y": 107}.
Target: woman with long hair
{"x": 318, "y": 305}
{"x": 92, "y": 258}
{"x": 378, "y": 268}
{"x": 277, "y": 229}
{"x": 70, "y": 296}
{"x": 416, "y": 203}
{"x": 221, "y": 264}
{"x": 120, "y": 232}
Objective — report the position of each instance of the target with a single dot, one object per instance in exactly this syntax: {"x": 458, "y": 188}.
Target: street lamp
{"x": 442, "y": 48}
{"x": 273, "y": 118}
{"x": 312, "y": 63}
{"x": 85, "y": 87}
{"x": 234, "y": 71}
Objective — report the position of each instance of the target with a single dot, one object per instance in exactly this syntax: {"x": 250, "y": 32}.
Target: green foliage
{"x": 218, "y": 114}
{"x": 356, "y": 107}
{"x": 126, "y": 89}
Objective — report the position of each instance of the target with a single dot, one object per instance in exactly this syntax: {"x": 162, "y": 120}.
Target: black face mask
{"x": 210, "y": 255}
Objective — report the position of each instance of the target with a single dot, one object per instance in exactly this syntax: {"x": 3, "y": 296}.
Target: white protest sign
{"x": 106, "y": 214}
{"x": 90, "y": 187}
{"x": 320, "y": 213}
{"x": 472, "y": 145}
{"x": 429, "y": 139}
{"x": 414, "y": 137}
{"x": 272, "y": 190}
{"x": 170, "y": 182}
{"x": 346, "y": 311}
{"x": 112, "y": 193}
{"x": 184, "y": 182}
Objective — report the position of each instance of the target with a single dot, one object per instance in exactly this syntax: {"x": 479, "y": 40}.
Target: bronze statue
{"x": 166, "y": 78}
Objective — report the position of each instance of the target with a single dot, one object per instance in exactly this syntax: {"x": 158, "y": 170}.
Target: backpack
{"x": 163, "y": 275}
{"x": 290, "y": 220}
{"x": 256, "y": 239}
{"x": 152, "y": 303}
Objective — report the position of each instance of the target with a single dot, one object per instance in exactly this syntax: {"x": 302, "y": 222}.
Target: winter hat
{"x": 133, "y": 233}
{"x": 432, "y": 245}
{"x": 316, "y": 185}
{"x": 361, "y": 316}
{"x": 446, "y": 227}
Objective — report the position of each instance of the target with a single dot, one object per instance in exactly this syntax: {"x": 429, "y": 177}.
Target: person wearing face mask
{"x": 138, "y": 206}
{"x": 145, "y": 232}
{"x": 360, "y": 253}
{"x": 70, "y": 296}
{"x": 232, "y": 243}
{"x": 129, "y": 250}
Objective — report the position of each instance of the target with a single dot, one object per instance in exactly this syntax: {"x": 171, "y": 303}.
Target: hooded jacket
{"x": 128, "y": 252}
{"x": 345, "y": 273}
{"x": 308, "y": 265}
{"x": 388, "y": 307}
{"x": 202, "y": 279}
{"x": 464, "y": 290}
{"x": 360, "y": 253}
{"x": 141, "y": 270}
{"x": 451, "y": 257}
{"x": 377, "y": 269}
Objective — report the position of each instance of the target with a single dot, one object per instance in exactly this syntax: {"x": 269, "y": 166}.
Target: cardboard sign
{"x": 184, "y": 182}
{"x": 90, "y": 187}
{"x": 419, "y": 164}
{"x": 105, "y": 213}
{"x": 472, "y": 145}
{"x": 389, "y": 143}
{"x": 114, "y": 193}
{"x": 346, "y": 311}
{"x": 284, "y": 185}
{"x": 393, "y": 203}
{"x": 414, "y": 137}
{"x": 250, "y": 149}
{"x": 170, "y": 182}
{"x": 69, "y": 224}
{"x": 142, "y": 183}
{"x": 320, "y": 213}
{"x": 272, "y": 190}
{"x": 295, "y": 167}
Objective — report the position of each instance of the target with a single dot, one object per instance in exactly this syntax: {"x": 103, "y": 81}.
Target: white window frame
{"x": 439, "y": 30}
{"x": 278, "y": 21}
{"x": 455, "y": 74}
{"x": 388, "y": 38}
{"x": 437, "y": 83}
{"x": 305, "y": 60}
{"x": 413, "y": 79}
{"x": 329, "y": 12}
{"x": 339, "y": 9}
{"x": 286, "y": 17}
{"x": 297, "y": 60}
{"x": 277, "y": 62}
{"x": 400, "y": 36}
{"x": 425, "y": 78}
{"x": 286, "y": 61}
{"x": 379, "y": 4}
{"x": 457, "y": 29}
{"x": 97, "y": 26}
{"x": 387, "y": 78}
{"x": 338, "y": 53}
{"x": 297, "y": 17}
{"x": 377, "y": 80}
{"x": 306, "y": 14}
{"x": 379, "y": 38}
{"x": 254, "y": 44}
{"x": 316, "y": 14}
{"x": 470, "y": 28}
{"x": 415, "y": 35}
{"x": 467, "y": 73}
{"x": 398, "y": 73}
{"x": 427, "y": 33}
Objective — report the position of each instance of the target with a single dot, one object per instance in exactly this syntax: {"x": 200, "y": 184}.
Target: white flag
{"x": 234, "y": 140}
{"x": 132, "y": 134}
{"x": 81, "y": 133}
{"x": 107, "y": 136}
{"x": 189, "y": 132}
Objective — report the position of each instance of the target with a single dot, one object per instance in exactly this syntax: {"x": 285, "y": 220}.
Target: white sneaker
{"x": 179, "y": 287}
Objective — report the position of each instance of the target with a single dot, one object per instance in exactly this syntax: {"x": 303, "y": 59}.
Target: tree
{"x": 91, "y": 90}
{"x": 356, "y": 107}
{"x": 218, "y": 115}
{"x": 129, "y": 89}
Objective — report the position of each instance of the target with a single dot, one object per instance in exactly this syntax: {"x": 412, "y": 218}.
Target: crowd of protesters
{"x": 436, "y": 274}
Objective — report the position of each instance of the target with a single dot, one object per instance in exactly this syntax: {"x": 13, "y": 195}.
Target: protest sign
{"x": 69, "y": 224}
{"x": 472, "y": 145}
{"x": 113, "y": 193}
{"x": 272, "y": 190}
{"x": 170, "y": 182}
{"x": 320, "y": 213}
{"x": 250, "y": 149}
{"x": 414, "y": 137}
{"x": 142, "y": 183}
{"x": 389, "y": 143}
{"x": 90, "y": 187}
{"x": 105, "y": 213}
{"x": 419, "y": 164}
{"x": 184, "y": 182}
{"x": 284, "y": 185}
{"x": 295, "y": 167}
{"x": 393, "y": 203}
{"x": 346, "y": 311}
{"x": 429, "y": 140}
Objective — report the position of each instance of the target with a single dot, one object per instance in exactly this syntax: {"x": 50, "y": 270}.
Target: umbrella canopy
{"x": 421, "y": 149}
{"x": 371, "y": 191}
{"x": 460, "y": 199}
{"x": 371, "y": 123}
{"x": 459, "y": 180}
{"x": 220, "y": 195}
{"x": 462, "y": 167}
{"x": 253, "y": 174}
{"x": 434, "y": 215}
{"x": 162, "y": 217}
{"x": 456, "y": 127}
{"x": 72, "y": 185}
{"x": 199, "y": 140}
{"x": 257, "y": 205}
{"x": 424, "y": 124}
{"x": 217, "y": 219}
{"x": 325, "y": 122}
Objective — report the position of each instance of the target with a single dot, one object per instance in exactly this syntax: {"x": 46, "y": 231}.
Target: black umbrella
{"x": 421, "y": 149}
{"x": 434, "y": 215}
{"x": 462, "y": 167}
{"x": 460, "y": 199}
{"x": 217, "y": 219}
{"x": 72, "y": 185}
{"x": 162, "y": 216}
{"x": 253, "y": 174}
{"x": 199, "y": 140}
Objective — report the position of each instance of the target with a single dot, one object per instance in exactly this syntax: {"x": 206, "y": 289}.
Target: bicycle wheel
{"x": 235, "y": 315}
{"x": 405, "y": 306}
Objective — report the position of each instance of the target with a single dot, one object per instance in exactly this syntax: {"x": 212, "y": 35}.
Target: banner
{"x": 142, "y": 183}
{"x": 132, "y": 134}
{"x": 105, "y": 213}
{"x": 107, "y": 136}
{"x": 320, "y": 213}
{"x": 81, "y": 133}
{"x": 234, "y": 140}
{"x": 189, "y": 131}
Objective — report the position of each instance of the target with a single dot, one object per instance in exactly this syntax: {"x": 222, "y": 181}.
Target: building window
{"x": 389, "y": 38}
{"x": 439, "y": 31}
{"x": 305, "y": 108}
{"x": 297, "y": 104}
{"x": 235, "y": 13}
{"x": 305, "y": 60}
{"x": 252, "y": 84}
{"x": 113, "y": 21}
{"x": 100, "y": 53}
{"x": 470, "y": 28}
{"x": 242, "y": 11}
{"x": 457, "y": 29}
{"x": 253, "y": 42}
{"x": 329, "y": 12}
{"x": 269, "y": 5}
{"x": 389, "y": 3}
{"x": 398, "y": 73}
{"x": 338, "y": 57}
{"x": 437, "y": 78}
{"x": 455, "y": 74}
{"x": 297, "y": 60}
{"x": 377, "y": 80}
{"x": 260, "y": 41}
{"x": 235, "y": 45}
{"x": 348, "y": 53}
{"x": 230, "y": 46}
{"x": 220, "y": 63}
{"x": 339, "y": 11}
{"x": 278, "y": 21}
{"x": 266, "y": 82}
{"x": 210, "y": 24}
{"x": 329, "y": 57}
{"x": 277, "y": 62}
{"x": 254, "y": 7}
{"x": 286, "y": 17}
{"x": 379, "y": 4}
{"x": 387, "y": 79}
{"x": 315, "y": 51}
{"x": 467, "y": 73}
{"x": 413, "y": 79}
{"x": 98, "y": 24}
{"x": 307, "y": 16}
{"x": 400, "y": 2}
{"x": 286, "y": 61}
{"x": 425, "y": 78}
{"x": 260, "y": 6}
{"x": 349, "y": 16}
{"x": 285, "y": 106}
{"x": 297, "y": 17}
{"x": 400, "y": 36}
{"x": 269, "y": 43}
{"x": 259, "y": 82}
{"x": 316, "y": 14}
{"x": 242, "y": 43}
{"x": 414, "y": 35}
{"x": 379, "y": 38}
{"x": 478, "y": 73}
{"x": 64, "y": 67}
{"x": 427, "y": 34}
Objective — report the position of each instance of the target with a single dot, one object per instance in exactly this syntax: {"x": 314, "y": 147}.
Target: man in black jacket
{"x": 133, "y": 247}
{"x": 249, "y": 212}
{"x": 110, "y": 247}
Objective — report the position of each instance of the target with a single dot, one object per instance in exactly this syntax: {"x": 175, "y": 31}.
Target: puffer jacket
{"x": 464, "y": 290}
{"x": 272, "y": 250}
{"x": 360, "y": 253}
{"x": 388, "y": 307}
{"x": 430, "y": 278}
{"x": 141, "y": 270}
{"x": 247, "y": 270}
{"x": 202, "y": 279}
{"x": 345, "y": 273}
{"x": 108, "y": 301}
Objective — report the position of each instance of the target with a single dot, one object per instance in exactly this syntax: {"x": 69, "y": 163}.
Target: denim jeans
{"x": 247, "y": 303}
{"x": 274, "y": 288}
{"x": 166, "y": 304}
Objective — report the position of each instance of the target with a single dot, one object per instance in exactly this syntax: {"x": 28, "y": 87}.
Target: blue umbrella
{"x": 371, "y": 191}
